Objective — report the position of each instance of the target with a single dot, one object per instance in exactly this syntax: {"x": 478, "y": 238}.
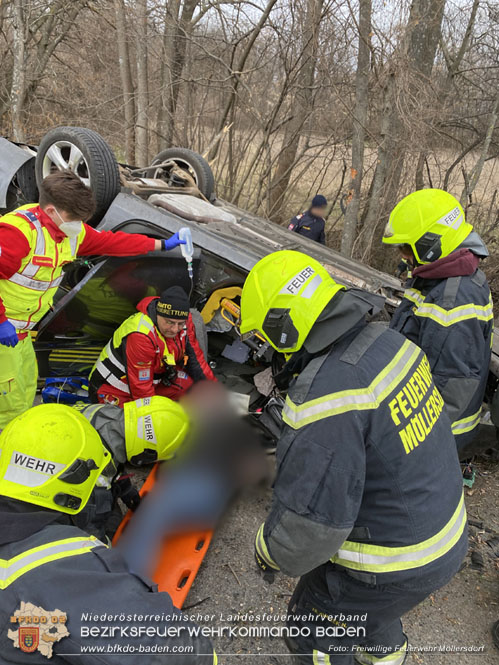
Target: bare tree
{"x": 288, "y": 98}
{"x": 237, "y": 73}
{"x": 178, "y": 27}
{"x": 37, "y": 32}
{"x": 18, "y": 90}
{"x": 301, "y": 107}
{"x": 142, "y": 121}
{"x": 126, "y": 79}
{"x": 358, "y": 127}
{"x": 412, "y": 66}
{"x": 472, "y": 179}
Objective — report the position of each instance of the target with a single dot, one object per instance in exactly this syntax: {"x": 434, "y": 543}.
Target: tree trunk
{"x": 166, "y": 113}
{"x": 302, "y": 105}
{"x": 141, "y": 129}
{"x": 236, "y": 76}
{"x": 18, "y": 88}
{"x": 418, "y": 49}
{"x": 477, "y": 169}
{"x": 359, "y": 128}
{"x": 126, "y": 80}
{"x": 178, "y": 27}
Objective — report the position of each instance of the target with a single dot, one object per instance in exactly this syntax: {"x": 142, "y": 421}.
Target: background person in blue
{"x": 311, "y": 223}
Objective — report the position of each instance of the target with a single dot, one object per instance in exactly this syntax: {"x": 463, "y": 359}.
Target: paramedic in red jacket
{"x": 36, "y": 241}
{"x": 153, "y": 352}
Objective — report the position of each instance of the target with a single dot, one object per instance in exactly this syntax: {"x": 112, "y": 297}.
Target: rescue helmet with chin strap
{"x": 282, "y": 297}
{"x": 155, "y": 427}
{"x": 430, "y": 221}
{"x": 52, "y": 457}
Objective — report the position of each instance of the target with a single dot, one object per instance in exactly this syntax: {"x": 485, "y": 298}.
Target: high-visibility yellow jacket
{"x": 29, "y": 293}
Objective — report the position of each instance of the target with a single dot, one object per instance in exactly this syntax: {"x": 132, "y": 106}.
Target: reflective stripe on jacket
{"x": 112, "y": 363}
{"x": 366, "y": 454}
{"x": 29, "y": 293}
{"x": 452, "y": 320}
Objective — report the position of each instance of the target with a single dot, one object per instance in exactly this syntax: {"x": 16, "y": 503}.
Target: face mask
{"x": 71, "y": 229}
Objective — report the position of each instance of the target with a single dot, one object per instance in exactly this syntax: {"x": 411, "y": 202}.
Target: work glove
{"x": 266, "y": 569}
{"x": 123, "y": 489}
{"x": 172, "y": 242}
{"x": 403, "y": 266}
{"x": 8, "y": 334}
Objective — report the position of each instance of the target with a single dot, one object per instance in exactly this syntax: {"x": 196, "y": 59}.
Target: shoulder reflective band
{"x": 261, "y": 548}
{"x": 447, "y": 317}
{"x": 414, "y": 296}
{"x": 357, "y": 399}
{"x": 394, "y": 658}
{"x": 73, "y": 243}
{"x": 376, "y": 559}
{"x": 30, "y": 269}
{"x": 320, "y": 658}
{"x": 466, "y": 424}
{"x": 88, "y": 410}
{"x": 12, "y": 569}
{"x": 144, "y": 323}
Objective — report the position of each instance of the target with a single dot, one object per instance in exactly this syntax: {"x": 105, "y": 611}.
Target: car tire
{"x": 84, "y": 152}
{"x": 26, "y": 181}
{"x": 190, "y": 161}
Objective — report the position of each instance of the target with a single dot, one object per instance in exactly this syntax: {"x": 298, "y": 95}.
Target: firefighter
{"x": 36, "y": 241}
{"x": 153, "y": 352}
{"x": 311, "y": 223}
{"x": 447, "y": 307}
{"x": 368, "y": 501}
{"x": 144, "y": 432}
{"x": 51, "y": 460}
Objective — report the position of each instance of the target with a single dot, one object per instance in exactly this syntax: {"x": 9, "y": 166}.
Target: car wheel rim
{"x": 64, "y": 155}
{"x": 163, "y": 174}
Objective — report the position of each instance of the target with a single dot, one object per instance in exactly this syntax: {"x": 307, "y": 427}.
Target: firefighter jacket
{"x": 451, "y": 319}
{"x": 138, "y": 358}
{"x": 310, "y": 226}
{"x": 367, "y": 472}
{"x": 50, "y": 567}
{"x": 34, "y": 251}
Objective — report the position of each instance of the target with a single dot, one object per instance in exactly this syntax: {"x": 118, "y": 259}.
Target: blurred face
{"x": 170, "y": 327}
{"x": 318, "y": 212}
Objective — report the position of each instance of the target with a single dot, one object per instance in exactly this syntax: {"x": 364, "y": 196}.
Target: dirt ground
{"x": 459, "y": 615}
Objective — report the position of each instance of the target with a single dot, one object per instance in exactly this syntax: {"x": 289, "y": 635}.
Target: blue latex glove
{"x": 8, "y": 334}
{"x": 172, "y": 242}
